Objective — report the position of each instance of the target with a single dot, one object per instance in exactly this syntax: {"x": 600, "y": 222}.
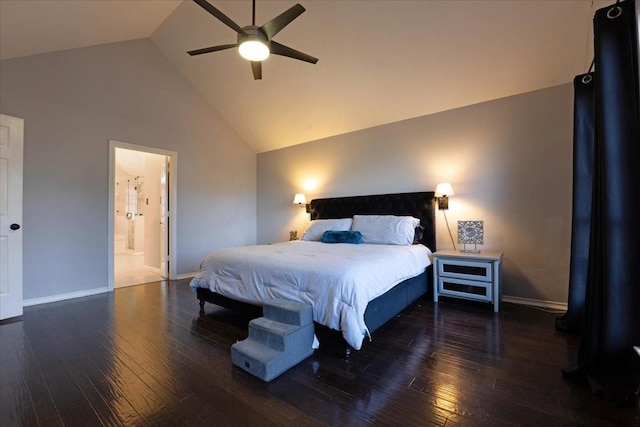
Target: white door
{"x": 11, "y": 141}
{"x": 164, "y": 211}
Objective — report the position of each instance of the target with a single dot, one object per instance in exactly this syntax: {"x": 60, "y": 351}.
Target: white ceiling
{"x": 29, "y": 27}
{"x": 379, "y": 61}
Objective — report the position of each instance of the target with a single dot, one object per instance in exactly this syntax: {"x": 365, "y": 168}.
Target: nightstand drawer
{"x": 469, "y": 289}
{"x": 465, "y": 269}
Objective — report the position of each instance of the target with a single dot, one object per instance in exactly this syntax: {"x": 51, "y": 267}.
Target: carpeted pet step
{"x": 271, "y": 333}
{"x": 257, "y": 359}
{"x": 289, "y": 312}
{"x": 267, "y": 363}
{"x": 275, "y": 346}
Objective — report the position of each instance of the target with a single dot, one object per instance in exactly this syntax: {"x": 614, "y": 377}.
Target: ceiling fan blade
{"x": 211, "y": 49}
{"x": 221, "y": 16}
{"x": 282, "y": 50}
{"x": 274, "y": 26}
{"x": 256, "y": 67}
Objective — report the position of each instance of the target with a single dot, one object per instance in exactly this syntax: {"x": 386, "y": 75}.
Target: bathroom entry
{"x": 140, "y": 204}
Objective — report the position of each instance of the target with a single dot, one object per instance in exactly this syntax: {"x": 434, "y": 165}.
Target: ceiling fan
{"x": 255, "y": 43}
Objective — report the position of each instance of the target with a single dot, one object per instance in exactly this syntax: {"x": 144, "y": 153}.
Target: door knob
{"x": 15, "y": 227}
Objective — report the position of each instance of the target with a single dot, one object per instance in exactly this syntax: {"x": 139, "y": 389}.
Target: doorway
{"x": 141, "y": 214}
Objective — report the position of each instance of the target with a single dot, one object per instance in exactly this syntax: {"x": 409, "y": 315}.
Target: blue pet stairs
{"x": 279, "y": 340}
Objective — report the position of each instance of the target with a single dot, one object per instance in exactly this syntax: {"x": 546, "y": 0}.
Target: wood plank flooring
{"x": 142, "y": 356}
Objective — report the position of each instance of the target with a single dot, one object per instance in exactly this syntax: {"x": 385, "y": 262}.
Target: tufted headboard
{"x": 419, "y": 205}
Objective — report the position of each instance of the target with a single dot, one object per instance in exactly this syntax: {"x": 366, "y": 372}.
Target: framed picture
{"x": 471, "y": 233}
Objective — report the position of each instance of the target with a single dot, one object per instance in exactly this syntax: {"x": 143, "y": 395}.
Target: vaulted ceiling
{"x": 379, "y": 61}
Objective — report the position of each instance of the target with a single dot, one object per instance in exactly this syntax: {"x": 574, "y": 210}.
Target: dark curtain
{"x": 584, "y": 134}
{"x": 611, "y": 324}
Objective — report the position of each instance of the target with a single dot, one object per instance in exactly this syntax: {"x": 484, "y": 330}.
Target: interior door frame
{"x": 12, "y": 303}
{"x": 171, "y": 214}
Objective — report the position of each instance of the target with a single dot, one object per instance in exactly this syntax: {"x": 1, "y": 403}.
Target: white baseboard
{"x": 186, "y": 275}
{"x": 552, "y": 305}
{"x": 152, "y": 269}
{"x": 62, "y": 297}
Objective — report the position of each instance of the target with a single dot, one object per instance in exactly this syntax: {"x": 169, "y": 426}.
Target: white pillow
{"x": 386, "y": 229}
{"x": 316, "y": 228}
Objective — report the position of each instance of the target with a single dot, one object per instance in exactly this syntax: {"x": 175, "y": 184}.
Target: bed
{"x": 354, "y": 318}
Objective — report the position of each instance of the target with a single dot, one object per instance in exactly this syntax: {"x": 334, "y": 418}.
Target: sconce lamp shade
{"x": 300, "y": 199}
{"x": 444, "y": 189}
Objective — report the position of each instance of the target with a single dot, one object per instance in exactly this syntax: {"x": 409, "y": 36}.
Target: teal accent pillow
{"x": 331, "y": 236}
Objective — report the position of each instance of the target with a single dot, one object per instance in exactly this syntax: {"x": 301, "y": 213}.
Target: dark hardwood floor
{"x": 142, "y": 356}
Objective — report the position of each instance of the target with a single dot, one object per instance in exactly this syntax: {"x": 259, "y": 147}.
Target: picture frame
{"x": 471, "y": 233}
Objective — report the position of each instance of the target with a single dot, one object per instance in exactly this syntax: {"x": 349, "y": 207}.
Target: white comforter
{"x": 338, "y": 280}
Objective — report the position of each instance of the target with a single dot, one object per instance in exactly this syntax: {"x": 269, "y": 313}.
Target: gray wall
{"x": 73, "y": 102}
{"x": 509, "y": 161}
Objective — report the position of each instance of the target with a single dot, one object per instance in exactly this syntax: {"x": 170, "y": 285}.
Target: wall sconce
{"x": 301, "y": 200}
{"x": 443, "y": 191}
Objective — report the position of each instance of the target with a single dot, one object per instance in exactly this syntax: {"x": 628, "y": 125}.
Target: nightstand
{"x": 474, "y": 276}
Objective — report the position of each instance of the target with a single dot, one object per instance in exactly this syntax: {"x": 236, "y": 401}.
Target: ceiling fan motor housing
{"x": 252, "y": 32}
{"x": 258, "y": 45}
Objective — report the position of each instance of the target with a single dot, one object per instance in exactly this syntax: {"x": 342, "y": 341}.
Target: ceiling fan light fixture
{"x": 253, "y": 45}
{"x": 254, "y": 50}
